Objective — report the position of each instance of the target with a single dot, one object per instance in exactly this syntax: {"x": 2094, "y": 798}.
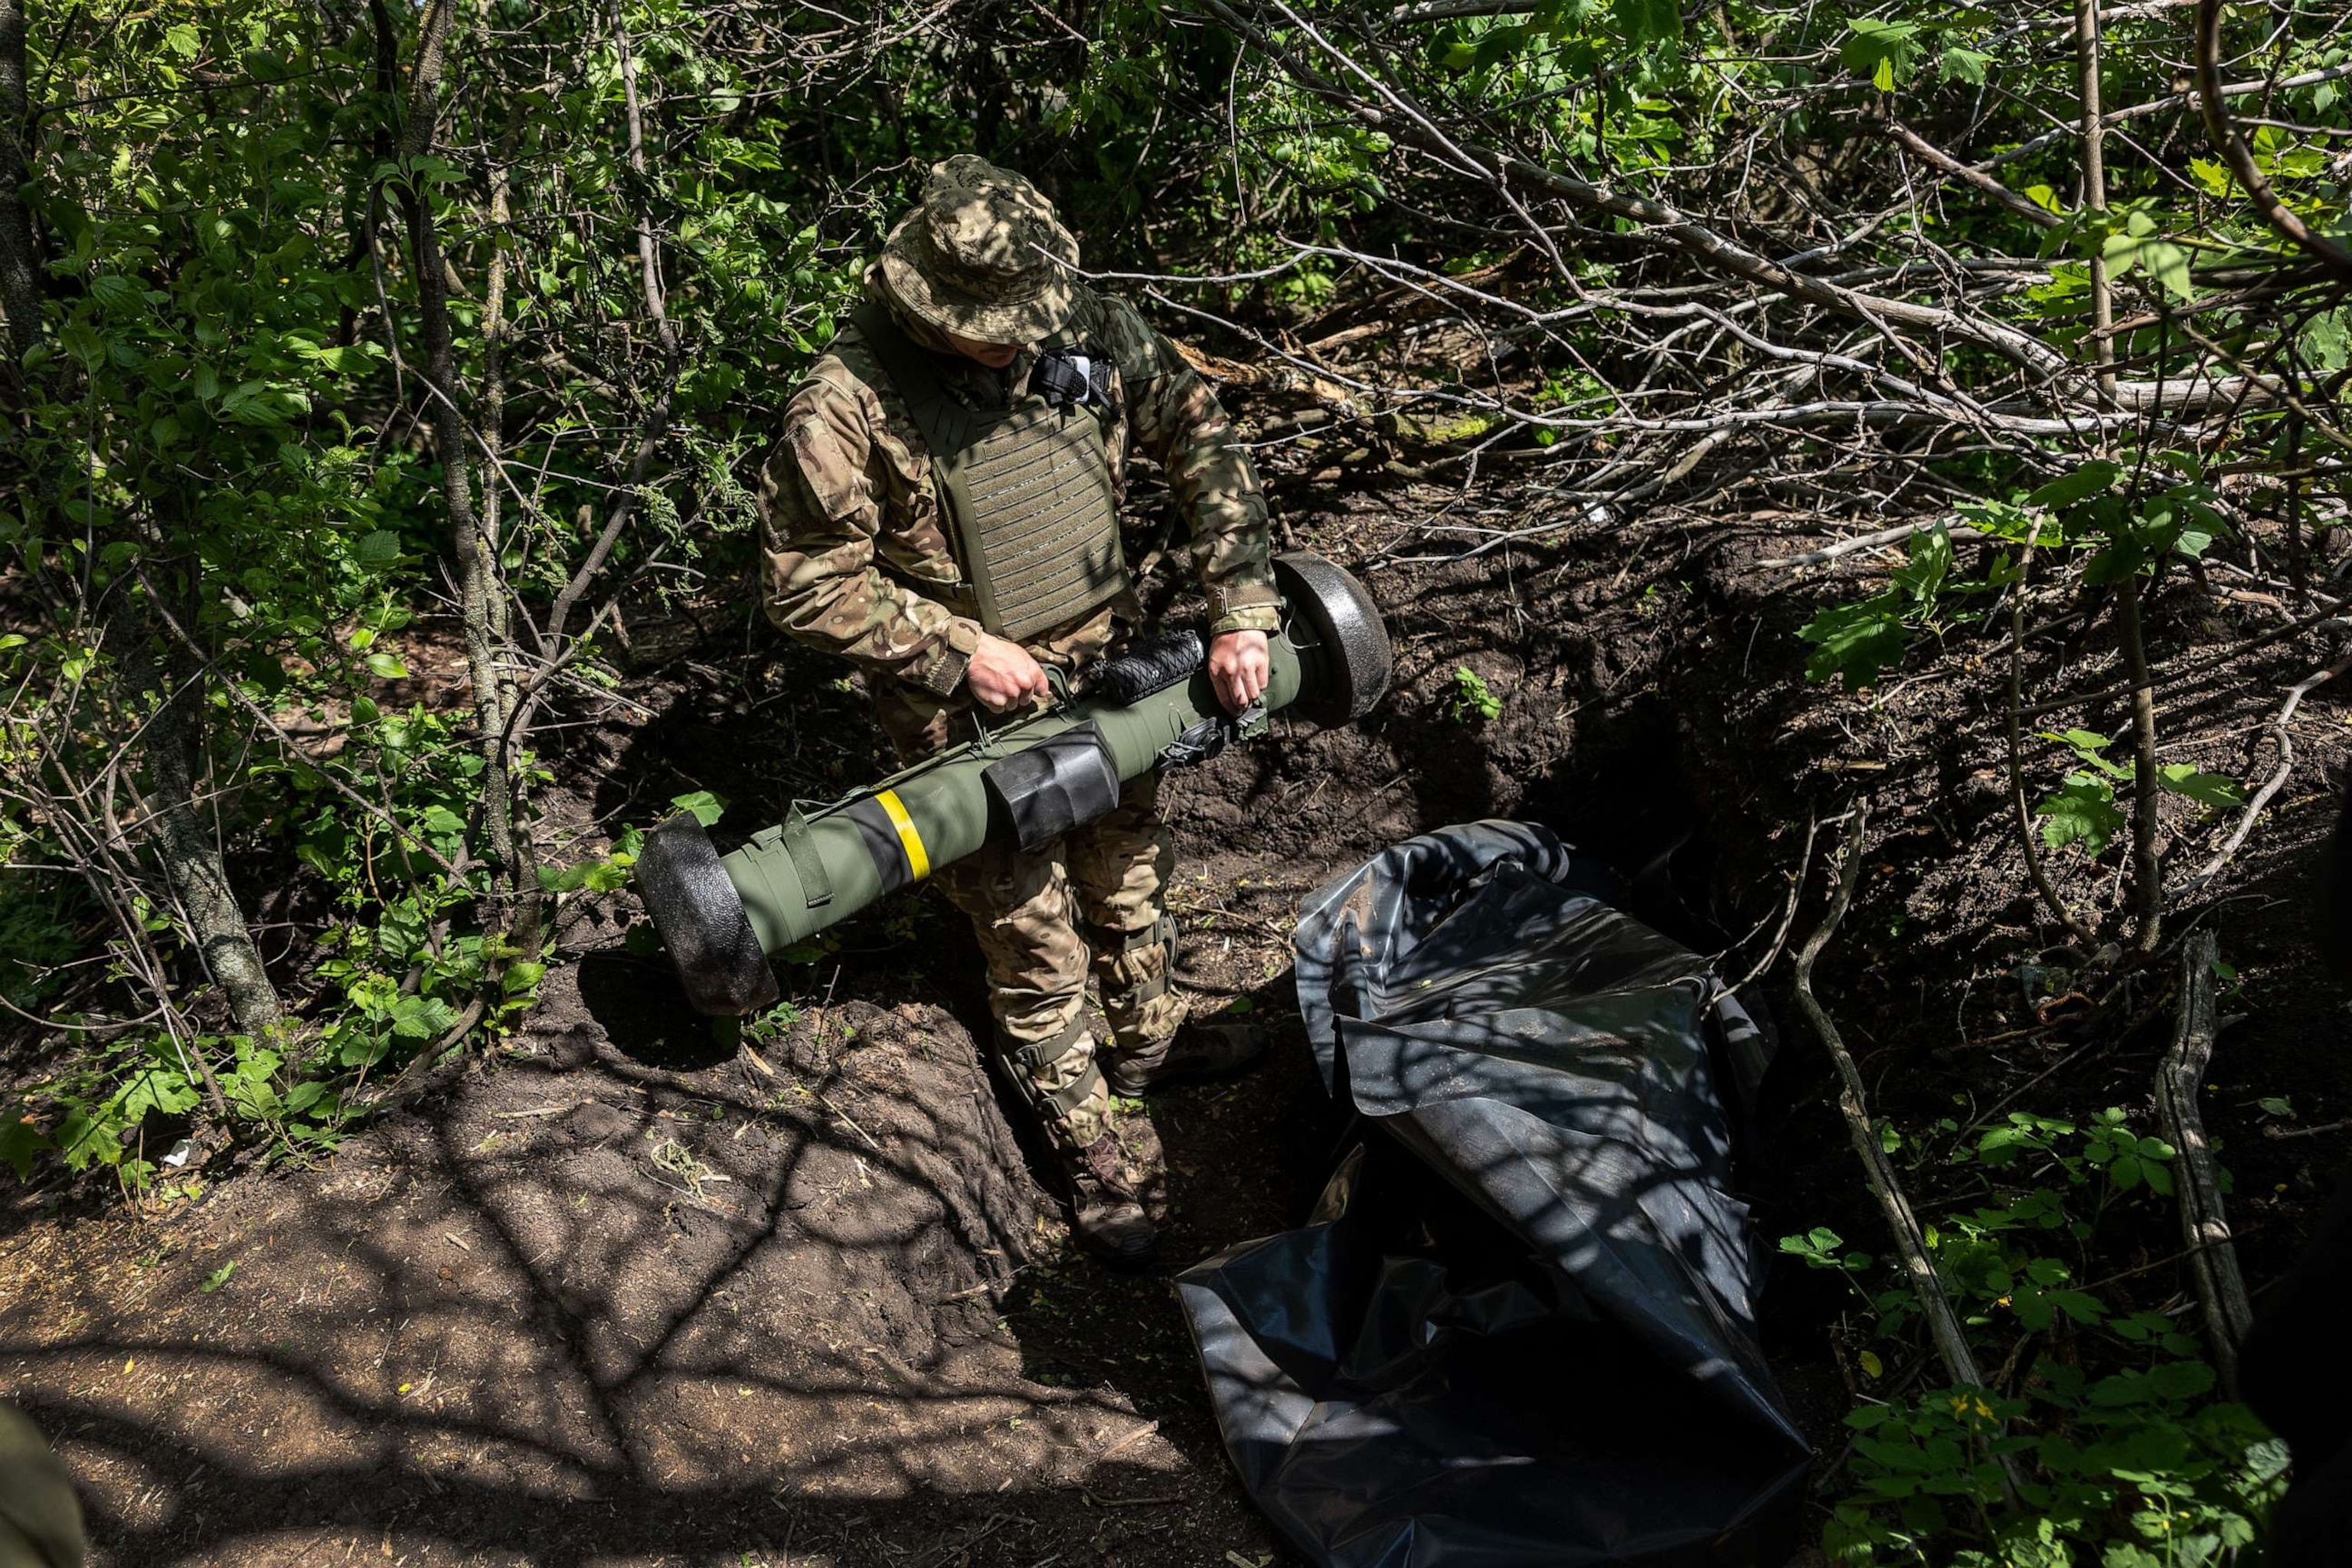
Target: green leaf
{"x": 1964, "y": 65}
{"x": 1930, "y": 562}
{"x": 552, "y": 880}
{"x": 2327, "y": 340}
{"x": 2116, "y": 562}
{"x": 218, "y": 1277}
{"x": 357, "y": 358}
{"x": 387, "y": 667}
{"x": 20, "y": 1144}
{"x": 1855, "y": 642}
{"x": 706, "y": 807}
{"x": 2139, "y": 244}
{"x": 2084, "y": 482}
{"x": 1647, "y": 21}
{"x": 377, "y": 551}
{"x": 1885, "y": 52}
{"x": 2084, "y": 810}
{"x": 183, "y": 40}
{"x": 2207, "y": 789}
{"x": 2181, "y": 1379}
{"x": 421, "y": 1017}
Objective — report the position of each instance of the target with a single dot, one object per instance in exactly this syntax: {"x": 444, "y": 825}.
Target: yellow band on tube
{"x": 910, "y": 839}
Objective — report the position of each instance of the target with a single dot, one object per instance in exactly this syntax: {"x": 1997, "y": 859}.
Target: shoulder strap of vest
{"x": 936, "y": 416}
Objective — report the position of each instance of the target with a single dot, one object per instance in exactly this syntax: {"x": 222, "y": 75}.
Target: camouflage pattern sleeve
{"x": 823, "y": 492}
{"x": 1180, "y": 424}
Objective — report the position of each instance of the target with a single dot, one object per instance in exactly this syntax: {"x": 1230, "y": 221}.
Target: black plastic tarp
{"x": 1517, "y": 1327}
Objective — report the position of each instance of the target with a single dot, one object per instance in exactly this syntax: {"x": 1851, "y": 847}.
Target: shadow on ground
{"x": 627, "y": 1299}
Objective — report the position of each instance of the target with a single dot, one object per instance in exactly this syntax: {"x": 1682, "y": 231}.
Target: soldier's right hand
{"x": 1003, "y": 675}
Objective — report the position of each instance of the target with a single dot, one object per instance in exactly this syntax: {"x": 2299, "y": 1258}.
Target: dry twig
{"x": 2204, "y": 1224}
{"x": 1854, "y": 1104}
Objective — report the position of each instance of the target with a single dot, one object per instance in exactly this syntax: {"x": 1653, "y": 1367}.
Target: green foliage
{"x": 2137, "y": 1466}
{"x": 1473, "y": 701}
{"x": 1819, "y": 1248}
{"x": 2083, "y": 810}
{"x": 1855, "y": 642}
{"x": 39, "y": 913}
{"x": 1884, "y": 51}
{"x": 2125, "y": 1456}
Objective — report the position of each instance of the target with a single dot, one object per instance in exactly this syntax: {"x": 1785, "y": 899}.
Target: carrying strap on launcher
{"x": 816, "y": 883}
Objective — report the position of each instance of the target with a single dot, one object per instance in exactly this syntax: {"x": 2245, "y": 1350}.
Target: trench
{"x": 820, "y": 1306}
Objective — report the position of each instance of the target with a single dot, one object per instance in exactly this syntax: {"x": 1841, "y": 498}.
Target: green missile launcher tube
{"x": 1031, "y": 779}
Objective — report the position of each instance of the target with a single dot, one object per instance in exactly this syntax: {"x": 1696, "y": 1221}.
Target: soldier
{"x": 41, "y": 1522}
{"x": 942, "y": 511}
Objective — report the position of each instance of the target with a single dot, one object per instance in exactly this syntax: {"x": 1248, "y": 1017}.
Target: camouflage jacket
{"x": 858, "y": 554}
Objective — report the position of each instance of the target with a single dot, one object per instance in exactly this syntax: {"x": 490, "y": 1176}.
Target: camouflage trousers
{"x": 1093, "y": 900}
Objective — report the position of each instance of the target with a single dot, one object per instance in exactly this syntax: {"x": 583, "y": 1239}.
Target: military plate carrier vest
{"x": 1027, "y": 488}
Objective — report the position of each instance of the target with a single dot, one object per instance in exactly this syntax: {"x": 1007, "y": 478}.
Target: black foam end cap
{"x": 1340, "y": 615}
{"x": 702, "y": 922}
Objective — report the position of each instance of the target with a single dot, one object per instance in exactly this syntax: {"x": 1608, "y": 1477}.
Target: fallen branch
{"x": 2213, "y": 1262}
{"x": 2307, "y": 1132}
{"x": 1910, "y": 1245}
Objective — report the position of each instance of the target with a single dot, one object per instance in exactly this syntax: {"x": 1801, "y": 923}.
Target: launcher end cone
{"x": 702, "y": 920}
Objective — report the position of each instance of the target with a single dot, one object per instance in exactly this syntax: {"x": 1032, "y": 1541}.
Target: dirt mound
{"x": 626, "y": 1299}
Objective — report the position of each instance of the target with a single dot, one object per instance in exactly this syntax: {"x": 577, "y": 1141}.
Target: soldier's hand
{"x": 1238, "y": 667}
{"x": 1003, "y": 675}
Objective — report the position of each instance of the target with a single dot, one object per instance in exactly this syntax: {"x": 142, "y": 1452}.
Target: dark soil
{"x": 620, "y": 1295}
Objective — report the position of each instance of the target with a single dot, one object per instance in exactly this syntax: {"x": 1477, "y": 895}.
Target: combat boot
{"x": 1196, "y": 1050}
{"x": 1105, "y": 1214}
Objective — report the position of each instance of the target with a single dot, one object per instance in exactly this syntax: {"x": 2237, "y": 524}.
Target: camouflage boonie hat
{"x": 967, "y": 258}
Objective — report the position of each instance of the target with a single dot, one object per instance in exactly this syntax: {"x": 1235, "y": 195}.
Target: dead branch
{"x": 1910, "y": 1245}
{"x": 2204, "y": 1222}
{"x": 2277, "y": 780}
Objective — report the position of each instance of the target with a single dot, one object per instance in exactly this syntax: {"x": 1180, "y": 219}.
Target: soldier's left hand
{"x": 1238, "y": 667}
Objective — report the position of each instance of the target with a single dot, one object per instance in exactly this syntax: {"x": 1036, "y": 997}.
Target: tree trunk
{"x": 19, "y": 276}
{"x": 182, "y": 828}
{"x": 469, "y": 550}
